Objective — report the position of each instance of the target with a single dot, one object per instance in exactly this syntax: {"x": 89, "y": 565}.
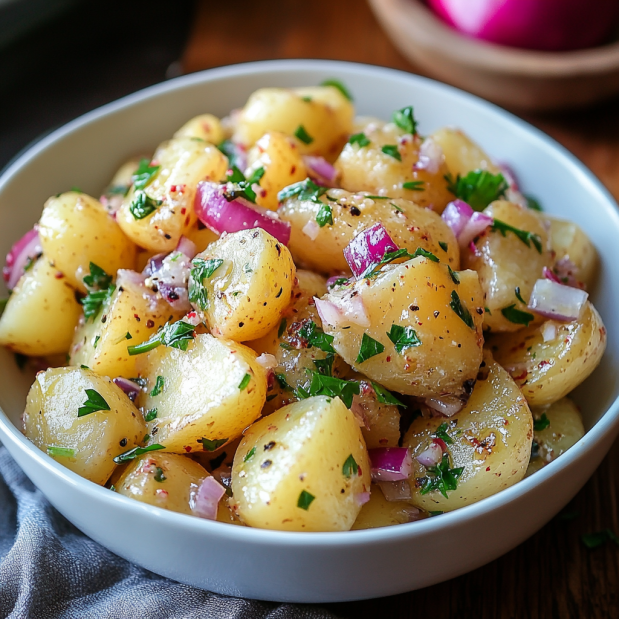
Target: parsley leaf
{"x": 392, "y": 151}
{"x": 159, "y": 386}
{"x": 337, "y": 84}
{"x": 63, "y": 452}
{"x": 142, "y": 205}
{"x": 150, "y": 414}
{"x": 442, "y": 477}
{"x": 201, "y": 270}
{"x": 212, "y": 445}
{"x": 93, "y": 403}
{"x": 384, "y": 396}
{"x": 405, "y": 119}
{"x": 542, "y": 423}
{"x": 461, "y": 310}
{"x": 98, "y": 278}
{"x": 360, "y": 139}
{"x": 369, "y": 348}
{"x": 518, "y": 317}
{"x": 159, "y": 476}
{"x": 403, "y": 337}
{"x": 331, "y": 386}
{"x": 175, "y": 335}
{"x": 241, "y": 187}
{"x": 324, "y": 215}
{"x": 303, "y": 135}
{"x": 325, "y": 366}
{"x": 305, "y": 500}
{"x": 340, "y": 281}
{"x": 441, "y": 432}
{"x": 390, "y": 256}
{"x": 350, "y": 467}
{"x": 414, "y": 185}
{"x": 315, "y": 336}
{"x": 234, "y": 175}
{"x": 303, "y": 190}
{"x": 145, "y": 174}
{"x": 3, "y": 303}
{"x": 519, "y": 296}
{"x": 533, "y": 204}
{"x": 100, "y": 290}
{"x": 136, "y": 452}
{"x": 249, "y": 454}
{"x": 526, "y": 237}
{"x": 478, "y": 188}
{"x": 243, "y": 384}
{"x": 455, "y": 278}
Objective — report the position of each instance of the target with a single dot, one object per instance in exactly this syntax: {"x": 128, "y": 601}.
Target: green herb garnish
{"x": 136, "y": 452}
{"x": 441, "y": 432}
{"x": 518, "y": 317}
{"x": 100, "y": 289}
{"x": 542, "y": 423}
{"x": 282, "y": 327}
{"x": 212, "y": 445}
{"x": 384, "y": 396}
{"x": 145, "y": 174}
{"x": 93, "y": 403}
{"x": 315, "y": 336}
{"x": 533, "y": 204}
{"x": 350, "y": 467}
{"x": 392, "y": 151}
{"x": 360, "y": 139}
{"x": 175, "y": 335}
{"x": 325, "y": 366}
{"x": 478, "y": 188}
{"x": 414, "y": 185}
{"x": 303, "y": 190}
{"x": 63, "y": 452}
{"x": 337, "y": 84}
{"x": 340, "y": 281}
{"x": 405, "y": 119}
{"x": 159, "y": 386}
{"x": 3, "y": 303}
{"x": 519, "y": 296}
{"x": 150, "y": 414}
{"x": 243, "y": 384}
{"x": 159, "y": 476}
{"x": 455, "y": 278}
{"x": 442, "y": 478}
{"x": 461, "y": 310}
{"x": 324, "y": 215}
{"x": 142, "y": 205}
{"x": 305, "y": 500}
{"x": 303, "y": 135}
{"x": 249, "y": 454}
{"x": 369, "y": 348}
{"x": 526, "y": 237}
{"x": 403, "y": 337}
{"x": 330, "y": 386}
{"x": 201, "y": 270}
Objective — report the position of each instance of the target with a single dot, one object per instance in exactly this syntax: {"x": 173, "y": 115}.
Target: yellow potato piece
{"x": 41, "y": 313}
{"x": 293, "y": 470}
{"x": 51, "y": 421}
{"x": 378, "y": 512}
{"x": 76, "y": 230}
{"x": 204, "y": 127}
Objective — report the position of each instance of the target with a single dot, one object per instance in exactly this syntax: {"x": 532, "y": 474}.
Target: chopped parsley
{"x": 441, "y": 432}
{"x": 303, "y": 190}
{"x": 243, "y": 384}
{"x": 435, "y": 513}
{"x": 93, "y": 403}
{"x": 325, "y": 366}
{"x": 30, "y": 263}
{"x": 526, "y": 237}
{"x": 461, "y": 311}
{"x": 330, "y": 386}
{"x": 282, "y": 327}
{"x": 201, "y": 270}
{"x": 100, "y": 289}
{"x": 390, "y": 256}
{"x": 542, "y": 423}
{"x": 315, "y": 336}
{"x": 340, "y": 281}
{"x": 150, "y": 414}
{"x": 175, "y": 335}
{"x": 159, "y": 386}
{"x": 442, "y": 478}
{"x": 403, "y": 337}
{"x": 455, "y": 278}
{"x": 212, "y": 445}
{"x": 478, "y": 188}
{"x": 20, "y": 360}
{"x": 324, "y": 215}
{"x": 159, "y": 476}
{"x": 518, "y": 317}
{"x": 63, "y": 452}
{"x": 337, "y": 84}
{"x": 145, "y": 174}
{"x": 230, "y": 150}
{"x": 397, "y": 208}
{"x": 241, "y": 187}
{"x": 369, "y": 348}
{"x": 384, "y": 396}
{"x": 305, "y": 500}
{"x": 136, "y": 452}
{"x": 519, "y": 296}
{"x": 142, "y": 205}
{"x": 350, "y": 467}
{"x": 96, "y": 341}
{"x": 392, "y": 151}
{"x": 533, "y": 204}
{"x": 405, "y": 119}
{"x": 360, "y": 139}
{"x": 303, "y": 135}
{"x": 414, "y": 185}
{"x": 250, "y": 454}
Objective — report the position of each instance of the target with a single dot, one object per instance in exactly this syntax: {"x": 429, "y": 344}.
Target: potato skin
{"x": 184, "y": 163}
{"x": 547, "y": 371}
{"x": 301, "y": 448}
{"x": 409, "y": 225}
{"x": 415, "y": 294}
{"x": 505, "y": 263}
{"x": 564, "y": 431}
{"x": 205, "y": 127}
{"x": 201, "y": 397}
{"x": 369, "y": 168}
{"x": 378, "y": 512}
{"x": 50, "y": 419}
{"x": 492, "y": 438}
{"x": 42, "y": 297}
{"x": 247, "y": 294}
{"x": 75, "y": 230}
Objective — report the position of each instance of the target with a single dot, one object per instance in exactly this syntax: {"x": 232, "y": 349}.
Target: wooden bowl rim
{"x": 433, "y": 34}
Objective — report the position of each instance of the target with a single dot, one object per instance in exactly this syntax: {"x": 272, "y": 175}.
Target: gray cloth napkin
{"x": 50, "y": 570}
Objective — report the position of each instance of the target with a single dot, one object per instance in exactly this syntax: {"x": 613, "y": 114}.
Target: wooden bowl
{"x": 511, "y": 77}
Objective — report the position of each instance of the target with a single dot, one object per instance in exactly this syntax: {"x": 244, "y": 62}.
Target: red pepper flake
{"x": 543, "y": 363}
{"x": 187, "y": 448}
{"x": 487, "y": 468}
{"x": 388, "y": 358}
{"x": 58, "y": 275}
{"x": 136, "y": 317}
{"x": 293, "y": 169}
{"x": 183, "y": 210}
{"x": 441, "y": 443}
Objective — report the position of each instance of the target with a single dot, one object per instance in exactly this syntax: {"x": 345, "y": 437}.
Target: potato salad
{"x": 295, "y": 318}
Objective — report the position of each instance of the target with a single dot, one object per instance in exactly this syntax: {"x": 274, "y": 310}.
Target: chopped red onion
{"x": 112, "y": 202}
{"x": 331, "y": 281}
{"x": 430, "y": 456}
{"x": 358, "y": 411}
{"x": 220, "y": 215}
{"x": 566, "y": 272}
{"x": 430, "y": 156}
{"x": 413, "y": 513}
{"x": 311, "y": 229}
{"x": 456, "y": 216}
{"x": 361, "y": 498}
{"x": 154, "y": 264}
{"x": 473, "y": 249}
{"x": 187, "y": 247}
{"x": 267, "y": 361}
{"x": 549, "y": 331}
{"x": 549, "y": 274}
{"x": 395, "y": 490}
{"x": 129, "y": 387}
{"x": 368, "y": 248}
{"x": 192, "y": 318}
{"x": 320, "y": 169}
{"x": 207, "y": 498}
{"x": 390, "y": 463}
{"x": 352, "y": 309}
{"x": 557, "y": 301}
{"x": 27, "y": 248}
{"x": 447, "y": 405}
{"x": 477, "y": 223}
{"x": 129, "y": 276}
{"x": 328, "y": 311}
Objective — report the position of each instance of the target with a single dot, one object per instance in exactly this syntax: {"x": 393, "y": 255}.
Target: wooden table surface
{"x": 552, "y": 575}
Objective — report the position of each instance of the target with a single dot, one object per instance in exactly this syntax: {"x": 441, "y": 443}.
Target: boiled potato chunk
{"x": 505, "y": 263}
{"x": 87, "y": 445}
{"x": 548, "y": 370}
{"x": 114, "y": 193}
{"x": 41, "y": 314}
{"x": 378, "y": 512}
{"x": 204, "y": 127}
{"x": 370, "y": 168}
{"x": 424, "y": 310}
{"x": 76, "y": 230}
{"x": 462, "y": 155}
{"x": 201, "y": 236}
{"x": 210, "y": 392}
{"x": 169, "y": 195}
{"x": 381, "y": 421}
{"x": 320, "y": 248}
{"x": 491, "y": 436}
{"x": 279, "y": 157}
{"x": 302, "y": 468}
{"x": 569, "y": 243}
{"x": 245, "y": 296}
{"x": 563, "y": 429}
{"x": 130, "y": 316}
{"x": 323, "y": 114}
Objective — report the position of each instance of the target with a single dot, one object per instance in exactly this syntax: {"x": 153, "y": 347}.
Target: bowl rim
{"x": 608, "y": 422}
{"x": 440, "y": 38}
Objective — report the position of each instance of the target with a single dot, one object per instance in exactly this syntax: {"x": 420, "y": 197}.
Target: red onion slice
{"x": 430, "y": 156}
{"x": 329, "y": 312}
{"x": 219, "y": 215}
{"x": 320, "y": 169}
{"x": 456, "y": 215}
{"x": 549, "y": 274}
{"x": 187, "y": 247}
{"x": 27, "y": 248}
{"x": 557, "y": 301}
{"x": 208, "y": 497}
{"x": 129, "y": 387}
{"x": 361, "y": 498}
{"x": 395, "y": 490}
{"x": 368, "y": 249}
{"x": 477, "y": 223}
{"x": 447, "y": 405}
{"x": 430, "y": 456}
{"x": 311, "y": 229}
{"x": 390, "y": 463}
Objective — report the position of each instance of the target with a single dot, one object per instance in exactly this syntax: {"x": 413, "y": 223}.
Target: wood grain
{"x": 552, "y": 575}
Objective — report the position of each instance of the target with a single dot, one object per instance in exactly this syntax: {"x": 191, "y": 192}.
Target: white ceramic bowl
{"x": 313, "y": 567}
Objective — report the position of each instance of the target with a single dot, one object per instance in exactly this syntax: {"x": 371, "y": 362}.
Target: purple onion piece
{"x": 129, "y": 387}
{"x": 368, "y": 248}
{"x": 390, "y": 463}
